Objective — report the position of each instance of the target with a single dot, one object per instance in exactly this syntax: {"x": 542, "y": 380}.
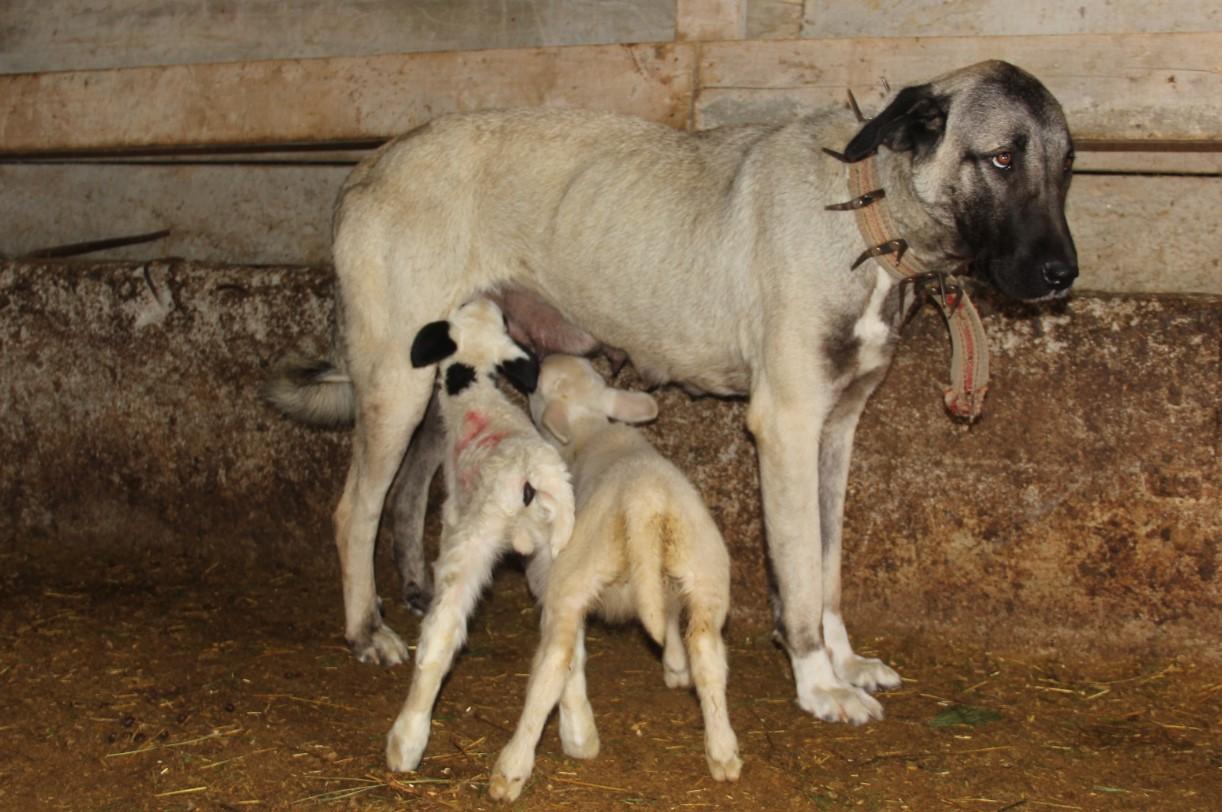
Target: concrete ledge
{"x": 1083, "y": 510}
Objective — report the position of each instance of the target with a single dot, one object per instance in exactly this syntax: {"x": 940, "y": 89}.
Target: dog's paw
{"x": 840, "y": 704}
{"x": 510, "y": 775}
{"x": 867, "y": 673}
{"x": 417, "y": 598}
{"x": 724, "y": 763}
{"x": 381, "y": 647}
{"x": 405, "y": 744}
{"x": 676, "y": 677}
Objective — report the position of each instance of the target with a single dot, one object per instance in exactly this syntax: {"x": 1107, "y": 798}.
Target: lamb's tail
{"x": 654, "y": 536}
{"x": 316, "y": 391}
{"x": 554, "y": 491}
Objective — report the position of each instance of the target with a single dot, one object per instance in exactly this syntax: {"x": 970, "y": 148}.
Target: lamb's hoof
{"x": 727, "y": 769}
{"x": 405, "y": 746}
{"x": 513, "y": 768}
{"x": 840, "y": 704}
{"x": 381, "y": 647}
{"x": 583, "y": 748}
{"x": 868, "y": 673}
{"x": 676, "y": 678}
{"x": 504, "y": 788}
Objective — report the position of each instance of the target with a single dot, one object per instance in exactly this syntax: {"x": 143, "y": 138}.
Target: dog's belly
{"x": 701, "y": 368}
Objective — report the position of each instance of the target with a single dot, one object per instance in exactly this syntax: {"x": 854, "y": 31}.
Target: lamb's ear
{"x": 629, "y": 407}
{"x": 432, "y": 344}
{"x": 523, "y": 373}
{"x": 556, "y": 420}
{"x": 914, "y": 120}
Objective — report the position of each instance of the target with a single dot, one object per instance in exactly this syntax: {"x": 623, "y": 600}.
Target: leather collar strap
{"x": 969, "y": 363}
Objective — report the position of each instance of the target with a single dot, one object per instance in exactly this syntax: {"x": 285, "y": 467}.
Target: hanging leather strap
{"x": 969, "y": 363}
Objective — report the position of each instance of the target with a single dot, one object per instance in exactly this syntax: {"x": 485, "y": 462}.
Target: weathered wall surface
{"x": 91, "y": 35}
{"x": 1083, "y": 510}
{"x": 1134, "y": 233}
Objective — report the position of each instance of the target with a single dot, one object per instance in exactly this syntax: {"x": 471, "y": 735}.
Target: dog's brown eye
{"x": 1069, "y": 162}
{"x": 1003, "y": 160}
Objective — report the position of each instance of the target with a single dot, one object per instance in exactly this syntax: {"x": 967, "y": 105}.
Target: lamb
{"x": 643, "y": 545}
{"x": 505, "y": 487}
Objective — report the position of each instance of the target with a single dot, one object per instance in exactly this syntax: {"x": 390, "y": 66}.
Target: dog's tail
{"x": 315, "y": 391}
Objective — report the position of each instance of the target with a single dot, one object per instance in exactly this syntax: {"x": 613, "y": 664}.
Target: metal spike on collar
{"x": 859, "y": 202}
{"x": 839, "y": 156}
{"x": 853, "y": 104}
{"x": 896, "y": 246}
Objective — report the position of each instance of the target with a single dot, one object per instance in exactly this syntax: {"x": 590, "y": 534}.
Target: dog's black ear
{"x": 914, "y": 121}
{"x": 523, "y": 373}
{"x": 432, "y": 344}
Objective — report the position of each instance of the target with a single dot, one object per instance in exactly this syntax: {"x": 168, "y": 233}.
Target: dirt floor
{"x": 148, "y": 680}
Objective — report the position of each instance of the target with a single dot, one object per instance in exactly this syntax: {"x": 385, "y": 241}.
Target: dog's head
{"x": 570, "y": 388}
{"x": 990, "y": 162}
{"x": 474, "y": 341}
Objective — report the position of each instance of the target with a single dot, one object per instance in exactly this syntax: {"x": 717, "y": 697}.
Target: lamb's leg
{"x": 675, "y": 670}
{"x": 707, "y": 652}
{"x": 578, "y": 733}
{"x": 462, "y": 571}
{"x": 562, "y": 625}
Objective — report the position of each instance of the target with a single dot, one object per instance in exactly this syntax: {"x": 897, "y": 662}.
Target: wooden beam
{"x": 1139, "y": 89}
{"x": 707, "y": 20}
{"x": 329, "y": 100}
{"x": 1135, "y": 88}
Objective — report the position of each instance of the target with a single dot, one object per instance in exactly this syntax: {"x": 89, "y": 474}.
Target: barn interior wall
{"x": 1085, "y": 507}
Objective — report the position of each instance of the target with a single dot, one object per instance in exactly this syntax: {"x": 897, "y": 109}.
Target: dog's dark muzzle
{"x": 1059, "y": 275}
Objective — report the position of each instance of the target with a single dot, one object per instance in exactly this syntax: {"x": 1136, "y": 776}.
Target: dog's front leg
{"x": 835, "y": 452}
{"x": 787, "y": 423}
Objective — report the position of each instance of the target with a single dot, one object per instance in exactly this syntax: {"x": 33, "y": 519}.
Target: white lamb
{"x": 505, "y": 487}
{"x": 643, "y": 545}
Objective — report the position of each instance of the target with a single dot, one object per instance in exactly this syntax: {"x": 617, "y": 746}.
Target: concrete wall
{"x": 1084, "y": 509}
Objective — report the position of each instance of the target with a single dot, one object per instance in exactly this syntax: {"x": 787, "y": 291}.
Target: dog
{"x": 505, "y": 487}
{"x": 711, "y": 260}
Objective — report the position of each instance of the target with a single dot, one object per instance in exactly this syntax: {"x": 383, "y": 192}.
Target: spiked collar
{"x": 969, "y": 372}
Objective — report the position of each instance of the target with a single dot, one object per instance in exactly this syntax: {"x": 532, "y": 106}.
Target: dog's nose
{"x": 1060, "y": 275}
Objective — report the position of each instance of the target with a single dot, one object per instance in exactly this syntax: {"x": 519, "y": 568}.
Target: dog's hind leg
{"x": 835, "y": 451}
{"x": 787, "y": 421}
{"x": 409, "y": 501}
{"x": 390, "y": 402}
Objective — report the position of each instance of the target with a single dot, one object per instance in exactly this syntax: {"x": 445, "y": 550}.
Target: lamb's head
{"x": 474, "y": 342}
{"x": 570, "y": 389}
